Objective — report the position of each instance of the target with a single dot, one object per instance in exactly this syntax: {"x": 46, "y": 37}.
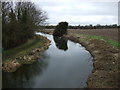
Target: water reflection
{"x": 24, "y": 76}
{"x": 55, "y": 68}
{"x": 61, "y": 43}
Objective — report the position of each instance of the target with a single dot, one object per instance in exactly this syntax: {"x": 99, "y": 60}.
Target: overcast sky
{"x": 77, "y": 12}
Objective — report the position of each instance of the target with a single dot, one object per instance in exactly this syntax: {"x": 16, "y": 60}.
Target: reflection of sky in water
{"x": 56, "y": 68}
{"x": 69, "y": 68}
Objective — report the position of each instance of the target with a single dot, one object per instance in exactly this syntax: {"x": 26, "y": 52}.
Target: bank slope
{"x": 24, "y": 54}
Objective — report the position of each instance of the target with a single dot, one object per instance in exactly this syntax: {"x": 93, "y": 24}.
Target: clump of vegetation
{"x": 19, "y": 20}
{"x": 61, "y": 29}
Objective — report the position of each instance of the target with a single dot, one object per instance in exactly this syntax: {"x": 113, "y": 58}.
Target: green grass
{"x": 111, "y": 42}
{"x": 37, "y": 41}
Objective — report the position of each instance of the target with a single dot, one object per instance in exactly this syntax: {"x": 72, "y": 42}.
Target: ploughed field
{"x": 108, "y": 33}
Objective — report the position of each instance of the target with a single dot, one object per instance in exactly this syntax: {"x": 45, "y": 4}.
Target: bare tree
{"x": 35, "y": 15}
{"x": 6, "y": 7}
{"x": 20, "y": 20}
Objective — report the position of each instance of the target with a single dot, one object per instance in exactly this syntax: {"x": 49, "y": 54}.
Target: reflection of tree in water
{"x": 60, "y": 42}
{"x": 24, "y": 76}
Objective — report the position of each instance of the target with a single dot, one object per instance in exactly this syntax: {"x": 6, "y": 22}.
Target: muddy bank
{"x": 105, "y": 73}
{"x": 13, "y": 64}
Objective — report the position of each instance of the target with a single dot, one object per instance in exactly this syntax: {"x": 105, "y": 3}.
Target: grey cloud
{"x": 63, "y": 10}
{"x": 119, "y": 13}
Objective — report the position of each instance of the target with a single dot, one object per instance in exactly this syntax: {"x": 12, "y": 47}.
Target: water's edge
{"x": 64, "y": 64}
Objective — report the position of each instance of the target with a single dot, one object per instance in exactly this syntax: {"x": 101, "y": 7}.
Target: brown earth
{"x": 108, "y": 33}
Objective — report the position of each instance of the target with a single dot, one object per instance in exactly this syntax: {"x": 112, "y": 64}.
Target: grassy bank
{"x": 24, "y": 54}
{"x": 23, "y": 49}
{"x": 108, "y": 41}
{"x": 111, "y": 42}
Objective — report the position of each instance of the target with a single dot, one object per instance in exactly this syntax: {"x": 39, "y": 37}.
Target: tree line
{"x": 98, "y": 26}
{"x": 19, "y": 21}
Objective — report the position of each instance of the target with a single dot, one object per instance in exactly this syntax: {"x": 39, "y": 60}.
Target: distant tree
{"x": 98, "y": 26}
{"x": 61, "y": 29}
{"x": 91, "y": 27}
{"x": 78, "y": 27}
{"x": 114, "y": 26}
{"x": 118, "y": 26}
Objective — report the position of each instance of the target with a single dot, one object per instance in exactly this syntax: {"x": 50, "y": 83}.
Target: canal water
{"x": 64, "y": 64}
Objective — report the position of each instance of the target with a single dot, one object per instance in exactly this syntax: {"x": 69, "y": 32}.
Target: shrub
{"x": 61, "y": 29}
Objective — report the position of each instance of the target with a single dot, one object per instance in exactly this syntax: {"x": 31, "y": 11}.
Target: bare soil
{"x": 108, "y": 33}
